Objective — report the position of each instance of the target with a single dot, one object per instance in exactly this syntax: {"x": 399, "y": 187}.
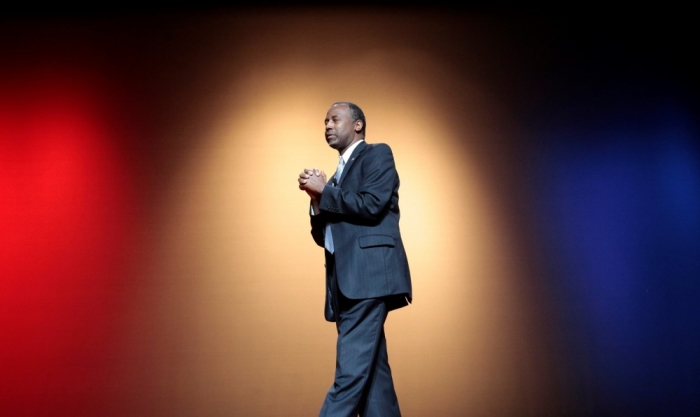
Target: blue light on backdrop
{"x": 618, "y": 211}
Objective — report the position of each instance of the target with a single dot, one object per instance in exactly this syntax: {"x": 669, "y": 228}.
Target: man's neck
{"x": 350, "y": 146}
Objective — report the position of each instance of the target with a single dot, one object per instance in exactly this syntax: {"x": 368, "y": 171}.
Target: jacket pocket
{"x": 370, "y": 241}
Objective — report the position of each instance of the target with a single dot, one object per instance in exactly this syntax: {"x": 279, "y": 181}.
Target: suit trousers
{"x": 363, "y": 384}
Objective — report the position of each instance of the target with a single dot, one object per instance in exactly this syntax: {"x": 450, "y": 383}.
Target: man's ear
{"x": 358, "y": 126}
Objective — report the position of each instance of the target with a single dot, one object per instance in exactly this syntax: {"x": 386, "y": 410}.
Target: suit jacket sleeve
{"x": 318, "y": 225}
{"x": 370, "y": 200}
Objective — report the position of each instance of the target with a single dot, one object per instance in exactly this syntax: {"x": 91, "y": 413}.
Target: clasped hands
{"x": 312, "y": 181}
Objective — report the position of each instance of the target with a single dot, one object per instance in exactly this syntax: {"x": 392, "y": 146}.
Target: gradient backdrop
{"x": 155, "y": 255}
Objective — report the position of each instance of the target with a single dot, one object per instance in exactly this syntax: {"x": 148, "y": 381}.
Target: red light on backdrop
{"x": 64, "y": 199}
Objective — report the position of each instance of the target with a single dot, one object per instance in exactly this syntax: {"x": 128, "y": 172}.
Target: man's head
{"x": 345, "y": 125}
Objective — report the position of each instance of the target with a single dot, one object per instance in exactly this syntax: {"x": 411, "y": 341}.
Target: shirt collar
{"x": 349, "y": 151}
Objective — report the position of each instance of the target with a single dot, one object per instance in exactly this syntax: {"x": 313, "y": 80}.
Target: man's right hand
{"x": 312, "y": 181}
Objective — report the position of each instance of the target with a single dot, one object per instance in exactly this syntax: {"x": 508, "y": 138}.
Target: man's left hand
{"x": 312, "y": 181}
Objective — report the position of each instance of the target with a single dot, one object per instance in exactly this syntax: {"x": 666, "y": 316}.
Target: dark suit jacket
{"x": 363, "y": 212}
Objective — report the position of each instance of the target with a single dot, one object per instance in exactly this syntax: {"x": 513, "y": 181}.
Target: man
{"x": 355, "y": 217}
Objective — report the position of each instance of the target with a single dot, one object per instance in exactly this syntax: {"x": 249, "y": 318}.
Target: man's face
{"x": 340, "y": 130}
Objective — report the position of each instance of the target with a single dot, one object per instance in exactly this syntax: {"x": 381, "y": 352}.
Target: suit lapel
{"x": 348, "y": 165}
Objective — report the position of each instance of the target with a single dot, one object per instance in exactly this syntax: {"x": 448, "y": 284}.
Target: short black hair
{"x": 356, "y": 113}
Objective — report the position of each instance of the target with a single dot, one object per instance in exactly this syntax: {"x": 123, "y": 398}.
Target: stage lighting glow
{"x": 66, "y": 212}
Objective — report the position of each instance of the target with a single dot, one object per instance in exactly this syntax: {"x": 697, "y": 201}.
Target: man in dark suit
{"x": 355, "y": 217}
